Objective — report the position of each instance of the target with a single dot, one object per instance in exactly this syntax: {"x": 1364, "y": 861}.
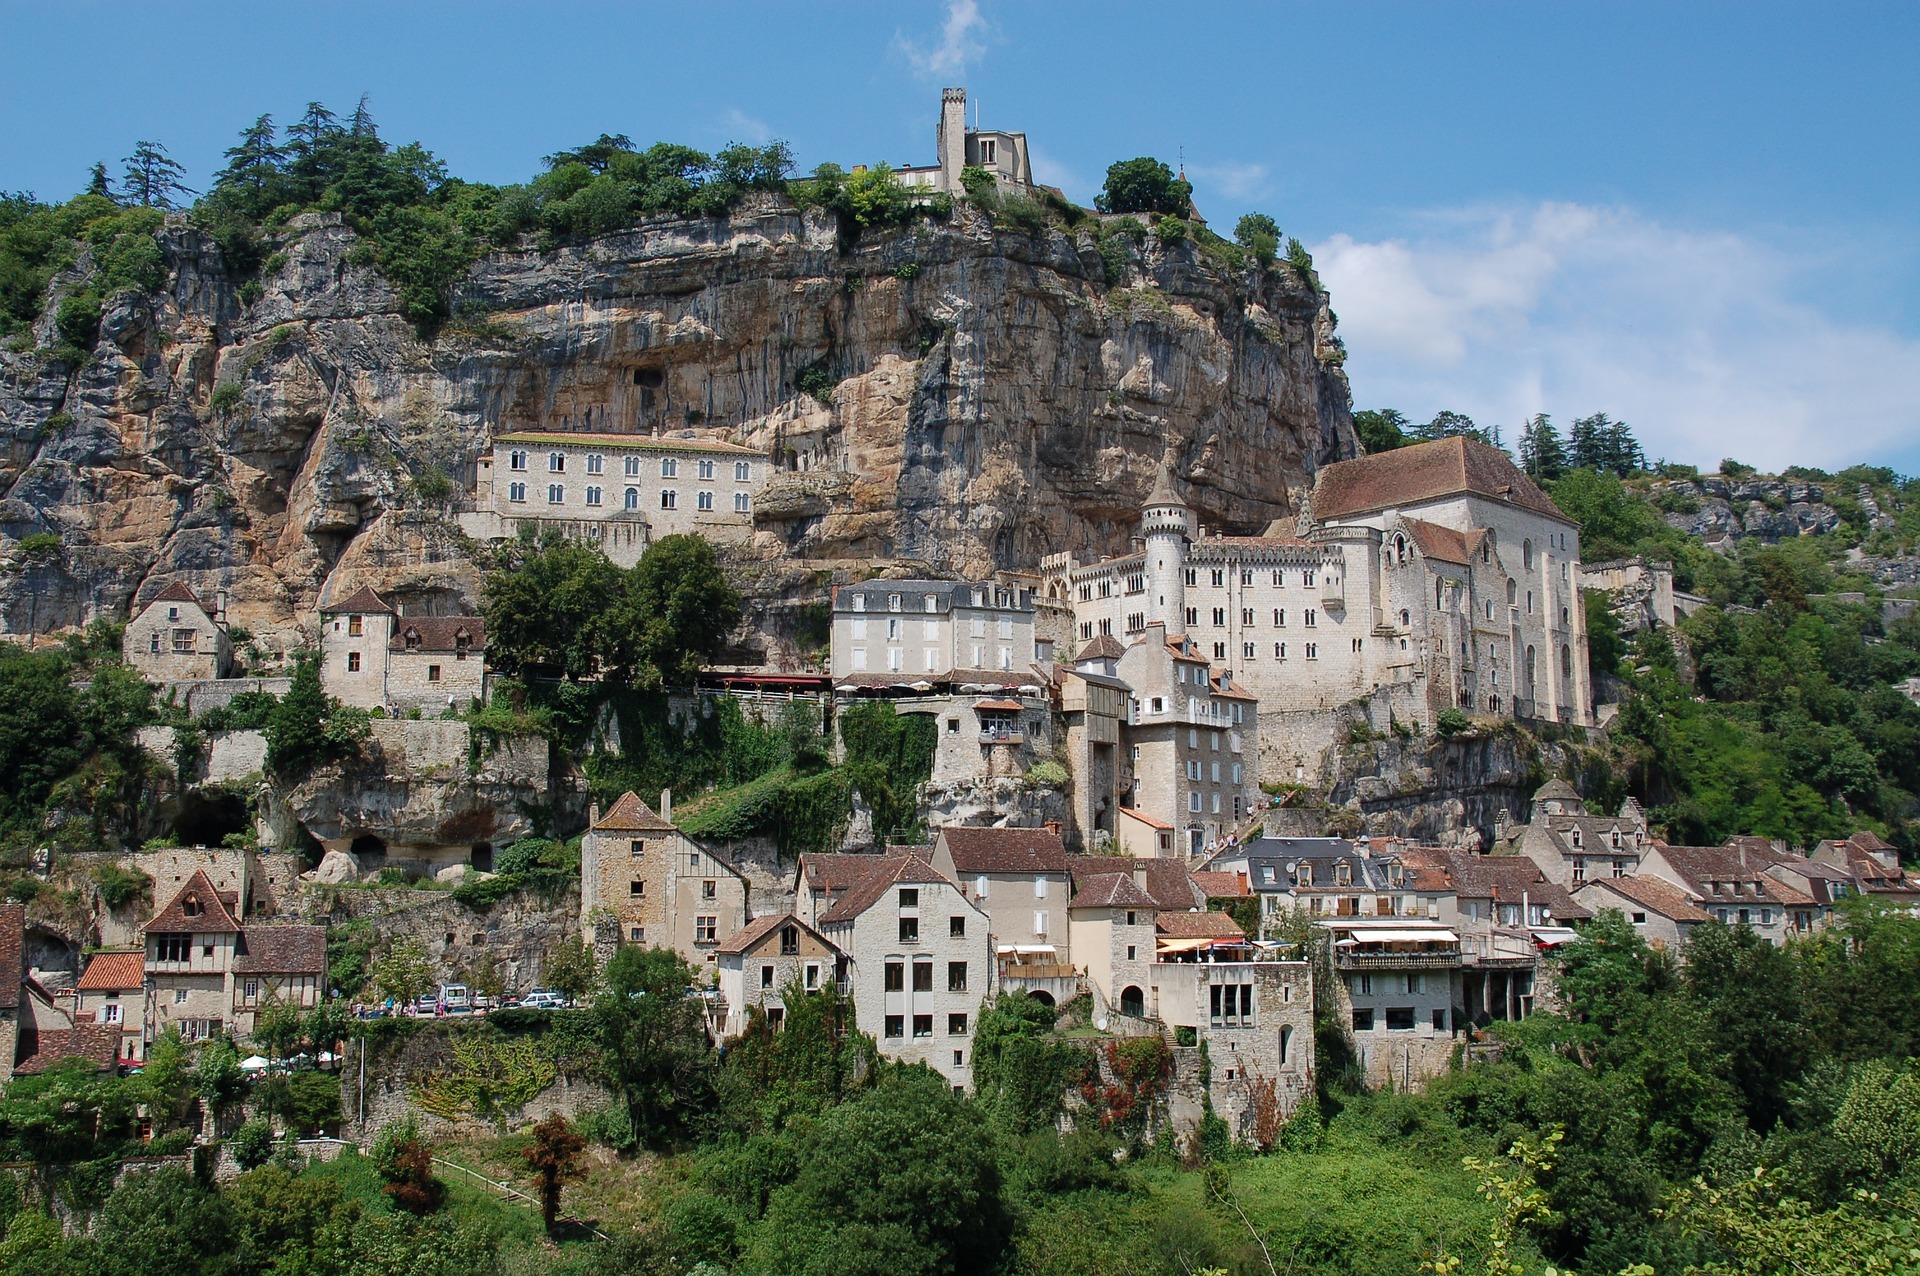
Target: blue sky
{"x": 1698, "y": 217}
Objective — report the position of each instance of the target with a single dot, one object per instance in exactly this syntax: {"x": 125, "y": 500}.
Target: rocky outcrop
{"x": 1722, "y": 510}
{"x": 993, "y": 399}
{"x": 1446, "y": 792}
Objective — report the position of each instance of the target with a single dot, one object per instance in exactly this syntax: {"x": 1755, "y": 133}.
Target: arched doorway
{"x": 1042, "y": 996}
{"x": 1133, "y": 1002}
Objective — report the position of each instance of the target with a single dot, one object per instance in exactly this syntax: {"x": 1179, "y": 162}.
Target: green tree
{"x": 251, "y": 178}
{"x": 277, "y": 1028}
{"x": 309, "y": 728}
{"x": 901, "y": 1181}
{"x": 553, "y": 608}
{"x": 1020, "y": 1069}
{"x": 98, "y": 184}
{"x": 554, "y": 1156}
{"x": 680, "y": 609}
{"x": 1144, "y": 185}
{"x": 217, "y": 1073}
{"x": 1259, "y": 234}
{"x": 404, "y": 1159}
{"x": 152, "y": 178}
{"x": 403, "y": 972}
{"x": 875, "y": 197}
{"x": 164, "y": 1220}
{"x": 1542, "y": 453}
{"x": 1380, "y": 430}
{"x": 569, "y": 969}
{"x": 653, "y": 1038}
{"x": 813, "y": 1060}
{"x": 41, "y": 736}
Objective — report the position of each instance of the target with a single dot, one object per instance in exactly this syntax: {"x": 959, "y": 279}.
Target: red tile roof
{"x": 177, "y": 592}
{"x": 1206, "y": 925}
{"x": 761, "y": 927}
{"x": 117, "y": 971}
{"x": 1425, "y": 472}
{"x": 893, "y": 870}
{"x": 1168, "y": 883}
{"x": 215, "y": 915}
{"x": 835, "y": 872}
{"x": 1444, "y": 543}
{"x": 1110, "y": 890}
{"x": 1221, "y": 885}
{"x": 631, "y": 814}
{"x": 991, "y": 850}
{"x": 439, "y": 633}
{"x": 1103, "y": 647}
{"x": 97, "y": 1043}
{"x": 1653, "y": 894}
{"x": 362, "y": 600}
{"x": 1508, "y": 879}
{"x": 282, "y": 950}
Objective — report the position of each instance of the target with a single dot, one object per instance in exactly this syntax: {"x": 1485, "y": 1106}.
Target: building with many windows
{"x": 1436, "y": 576}
{"x": 898, "y": 632}
{"x": 619, "y": 491}
{"x": 643, "y": 881}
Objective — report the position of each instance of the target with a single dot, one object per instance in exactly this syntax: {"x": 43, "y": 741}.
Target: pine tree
{"x": 362, "y": 125}
{"x": 97, "y": 182}
{"x": 1542, "y": 454}
{"x": 152, "y": 178}
{"x": 252, "y": 165}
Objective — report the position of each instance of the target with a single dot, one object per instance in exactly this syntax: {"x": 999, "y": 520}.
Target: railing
{"x": 514, "y": 1194}
{"x": 1394, "y": 961}
{"x": 1037, "y": 970}
{"x": 1003, "y": 737}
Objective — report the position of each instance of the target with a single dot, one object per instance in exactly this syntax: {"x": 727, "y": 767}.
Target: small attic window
{"x": 191, "y": 906}
{"x": 413, "y": 639}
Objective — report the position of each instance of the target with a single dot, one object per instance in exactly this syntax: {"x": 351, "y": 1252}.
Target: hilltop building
{"x": 1432, "y": 577}
{"x": 177, "y": 637}
{"x": 959, "y": 147}
{"x": 374, "y": 657}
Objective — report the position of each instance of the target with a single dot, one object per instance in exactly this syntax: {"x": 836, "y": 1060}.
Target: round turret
{"x": 1167, "y": 525}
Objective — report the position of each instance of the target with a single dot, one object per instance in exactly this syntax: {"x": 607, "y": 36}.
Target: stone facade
{"x": 1018, "y": 878}
{"x": 1191, "y": 742}
{"x": 958, "y": 147}
{"x": 642, "y": 881}
{"x": 907, "y": 631}
{"x": 764, "y": 960}
{"x": 178, "y": 638}
{"x": 1438, "y": 574}
{"x": 620, "y": 492}
{"x": 373, "y": 657}
{"x": 1572, "y": 846}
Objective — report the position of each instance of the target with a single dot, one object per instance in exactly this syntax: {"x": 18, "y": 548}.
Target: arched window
{"x": 1406, "y": 617}
{"x": 1526, "y": 554}
{"x": 1566, "y": 661}
{"x": 1530, "y": 674}
{"x": 633, "y": 498}
{"x": 1513, "y": 591}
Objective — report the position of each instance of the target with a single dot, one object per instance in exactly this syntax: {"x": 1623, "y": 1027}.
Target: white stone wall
{"x": 150, "y": 644}
{"x": 676, "y": 487}
{"x": 871, "y": 637}
{"x": 235, "y": 755}
{"x": 353, "y": 666}
{"x": 430, "y": 680}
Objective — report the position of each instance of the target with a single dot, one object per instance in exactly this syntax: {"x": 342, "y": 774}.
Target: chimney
{"x": 220, "y": 606}
{"x": 593, "y": 814}
{"x": 666, "y": 805}
{"x": 1053, "y": 827}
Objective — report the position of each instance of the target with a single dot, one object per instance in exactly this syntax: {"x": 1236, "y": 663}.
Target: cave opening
{"x": 205, "y": 819}
{"x": 367, "y": 846}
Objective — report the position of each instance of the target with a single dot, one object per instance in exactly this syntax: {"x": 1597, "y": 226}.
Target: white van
{"x": 457, "y": 998}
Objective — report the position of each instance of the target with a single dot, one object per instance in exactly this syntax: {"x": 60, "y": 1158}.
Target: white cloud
{"x": 962, "y": 41}
{"x": 1233, "y": 180}
{"x": 1707, "y": 343}
{"x": 741, "y": 127}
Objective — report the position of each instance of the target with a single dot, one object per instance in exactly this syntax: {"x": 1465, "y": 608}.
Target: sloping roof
{"x": 986, "y": 850}
{"x": 833, "y": 872}
{"x": 1168, "y": 883}
{"x": 1201, "y": 925}
{"x": 1506, "y": 879}
{"x": 761, "y": 927}
{"x": 1000, "y": 706}
{"x": 1144, "y": 818}
{"x": 1102, "y": 647}
{"x": 1443, "y": 543}
{"x": 1163, "y": 492}
{"x": 894, "y": 870}
{"x": 633, "y": 442}
{"x": 177, "y": 592}
{"x": 362, "y": 599}
{"x": 1110, "y": 890}
{"x": 1700, "y": 865}
{"x": 282, "y": 950}
{"x": 439, "y": 633}
{"x": 216, "y": 909}
{"x": 13, "y": 942}
{"x": 631, "y": 814}
{"x": 1221, "y": 885}
{"x": 1557, "y": 791}
{"x": 1653, "y": 894}
{"x": 116, "y": 972}
{"x": 1222, "y": 691}
{"x": 98, "y": 1043}
{"x": 1425, "y": 472}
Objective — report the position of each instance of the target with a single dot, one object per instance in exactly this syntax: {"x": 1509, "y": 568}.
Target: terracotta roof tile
{"x": 1103, "y": 647}
{"x": 1168, "y": 883}
{"x": 1444, "y": 543}
{"x": 215, "y": 909}
{"x": 97, "y": 1043}
{"x": 1202, "y": 925}
{"x": 834, "y": 872}
{"x": 997, "y": 850}
{"x": 177, "y": 592}
{"x": 1425, "y": 472}
{"x": 362, "y": 600}
{"x": 13, "y": 941}
{"x": 760, "y": 927}
{"x": 1221, "y": 885}
{"x": 894, "y": 870}
{"x": 439, "y": 633}
{"x": 282, "y": 950}
{"x": 1110, "y": 890}
{"x": 1661, "y": 897}
{"x": 631, "y": 814}
{"x": 115, "y": 972}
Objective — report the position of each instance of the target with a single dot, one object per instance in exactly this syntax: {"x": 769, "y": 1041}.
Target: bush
{"x": 1144, "y": 185}
{"x": 817, "y": 379}
{"x": 118, "y": 886}
{"x": 226, "y": 396}
{"x": 1048, "y": 774}
{"x": 78, "y": 320}
{"x": 1259, "y": 234}
{"x": 1451, "y": 722}
{"x": 251, "y": 1146}
{"x": 1170, "y": 231}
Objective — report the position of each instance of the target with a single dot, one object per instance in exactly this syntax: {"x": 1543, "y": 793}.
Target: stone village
{"x": 1179, "y": 691}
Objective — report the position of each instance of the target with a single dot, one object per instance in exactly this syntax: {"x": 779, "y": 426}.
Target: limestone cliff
{"x": 993, "y": 399}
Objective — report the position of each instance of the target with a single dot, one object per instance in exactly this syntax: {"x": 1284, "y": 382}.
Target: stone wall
{"x": 517, "y": 934}
{"x": 384, "y": 1097}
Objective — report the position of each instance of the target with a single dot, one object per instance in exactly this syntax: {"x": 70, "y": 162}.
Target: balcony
{"x": 1395, "y": 961}
{"x": 1003, "y": 737}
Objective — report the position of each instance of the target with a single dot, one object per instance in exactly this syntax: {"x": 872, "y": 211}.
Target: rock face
{"x": 1722, "y": 510}
{"x": 1446, "y": 792}
{"x": 994, "y": 399}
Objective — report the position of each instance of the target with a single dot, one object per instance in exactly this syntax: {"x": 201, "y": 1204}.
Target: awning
{"x": 1007, "y": 706}
{"x": 1027, "y": 949}
{"x": 1554, "y": 936}
{"x": 1182, "y": 945}
{"x": 1404, "y": 936}
{"x": 253, "y": 1063}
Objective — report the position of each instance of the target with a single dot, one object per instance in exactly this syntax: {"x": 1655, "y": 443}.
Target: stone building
{"x": 1432, "y": 577}
{"x": 1658, "y": 911}
{"x": 373, "y": 657}
{"x": 902, "y": 632}
{"x": 959, "y": 147}
{"x": 207, "y": 972}
{"x": 643, "y": 881}
{"x": 1572, "y": 846}
{"x": 178, "y": 638}
{"x": 112, "y": 990}
{"x": 919, "y": 960}
{"x": 764, "y": 961}
{"x": 1019, "y": 877}
{"x": 1092, "y": 708}
{"x": 1400, "y": 978}
{"x": 1111, "y": 934}
{"x": 620, "y": 492}
{"x": 1191, "y": 741}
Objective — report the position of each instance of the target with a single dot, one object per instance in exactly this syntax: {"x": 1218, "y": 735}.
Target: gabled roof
{"x": 1221, "y": 885}
{"x": 995, "y": 850}
{"x": 215, "y": 916}
{"x": 439, "y": 633}
{"x": 1103, "y": 647}
{"x": 362, "y": 600}
{"x": 630, "y": 814}
{"x": 282, "y": 950}
{"x": 119, "y": 971}
{"x": 1168, "y": 883}
{"x": 893, "y": 870}
{"x": 1445, "y": 544}
{"x": 1110, "y": 890}
{"x": 1426, "y": 472}
{"x": 1652, "y": 894}
{"x": 760, "y": 927}
{"x": 97, "y": 1043}
{"x": 1202, "y": 925}
{"x": 1506, "y": 879}
{"x": 1144, "y": 818}
{"x": 177, "y": 592}
{"x": 833, "y": 872}
{"x": 13, "y": 943}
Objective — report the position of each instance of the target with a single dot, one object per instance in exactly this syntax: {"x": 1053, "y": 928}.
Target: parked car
{"x": 544, "y": 999}
{"x": 457, "y": 998}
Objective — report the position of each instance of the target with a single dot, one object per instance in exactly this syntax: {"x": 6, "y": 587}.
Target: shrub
{"x": 817, "y": 380}
{"x": 1451, "y": 722}
{"x": 1259, "y": 234}
{"x": 1170, "y": 231}
{"x": 252, "y": 1144}
{"x": 118, "y": 886}
{"x": 876, "y": 198}
{"x": 226, "y": 396}
{"x": 78, "y": 320}
{"x": 405, "y": 1160}
{"x": 482, "y": 893}
{"x": 40, "y": 547}
{"x": 1049, "y": 774}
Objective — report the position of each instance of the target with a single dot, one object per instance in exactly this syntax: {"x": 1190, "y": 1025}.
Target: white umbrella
{"x": 326, "y": 1056}
{"x": 253, "y": 1063}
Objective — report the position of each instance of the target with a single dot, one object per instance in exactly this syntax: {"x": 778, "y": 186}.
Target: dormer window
{"x": 1576, "y": 838}
{"x": 1343, "y": 874}
{"x": 191, "y": 906}
{"x": 893, "y": 602}
{"x": 859, "y": 602}
{"x": 413, "y": 639}
{"x": 462, "y": 641}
